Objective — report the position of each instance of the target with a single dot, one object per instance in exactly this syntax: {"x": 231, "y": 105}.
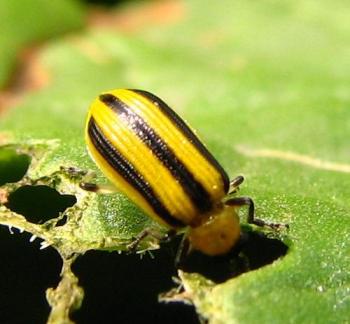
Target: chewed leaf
{"x": 264, "y": 84}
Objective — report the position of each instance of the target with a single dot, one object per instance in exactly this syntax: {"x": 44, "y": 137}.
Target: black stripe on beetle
{"x": 187, "y": 132}
{"x": 194, "y": 189}
{"x": 118, "y": 162}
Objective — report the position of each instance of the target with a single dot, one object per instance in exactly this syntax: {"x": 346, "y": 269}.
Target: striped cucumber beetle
{"x": 150, "y": 154}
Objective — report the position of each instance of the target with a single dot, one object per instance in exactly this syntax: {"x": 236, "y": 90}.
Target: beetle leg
{"x": 152, "y": 233}
{"x": 247, "y": 201}
{"x": 182, "y": 251}
{"x": 98, "y": 188}
{"x": 235, "y": 183}
{"x": 137, "y": 240}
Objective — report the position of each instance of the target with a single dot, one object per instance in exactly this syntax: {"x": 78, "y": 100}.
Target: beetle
{"x": 150, "y": 154}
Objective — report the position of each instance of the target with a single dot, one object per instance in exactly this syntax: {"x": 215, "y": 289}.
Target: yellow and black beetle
{"x": 149, "y": 153}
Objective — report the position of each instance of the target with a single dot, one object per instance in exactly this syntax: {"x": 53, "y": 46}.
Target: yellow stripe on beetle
{"x": 153, "y": 171}
{"x": 186, "y": 151}
{"x": 148, "y": 152}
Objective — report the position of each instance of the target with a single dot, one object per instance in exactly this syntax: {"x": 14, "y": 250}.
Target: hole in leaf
{"x": 13, "y": 166}
{"x": 125, "y": 288}
{"x": 25, "y": 273}
{"x": 62, "y": 221}
{"x": 39, "y": 203}
{"x": 254, "y": 251}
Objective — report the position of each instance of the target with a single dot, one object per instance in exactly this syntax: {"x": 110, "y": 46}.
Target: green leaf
{"x": 28, "y": 22}
{"x": 265, "y": 85}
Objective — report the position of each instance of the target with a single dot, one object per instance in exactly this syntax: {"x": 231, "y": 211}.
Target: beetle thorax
{"x": 218, "y": 234}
